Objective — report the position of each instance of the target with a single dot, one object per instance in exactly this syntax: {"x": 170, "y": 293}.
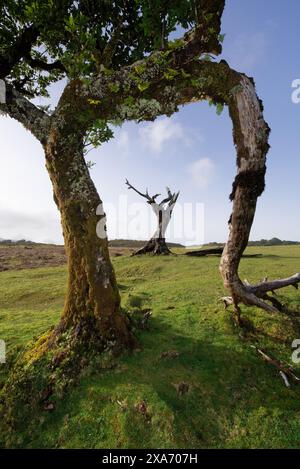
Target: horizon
{"x": 290, "y": 241}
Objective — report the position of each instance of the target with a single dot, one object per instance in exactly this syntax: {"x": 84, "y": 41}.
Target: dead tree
{"x": 163, "y": 211}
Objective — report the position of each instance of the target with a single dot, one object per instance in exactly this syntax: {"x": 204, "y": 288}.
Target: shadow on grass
{"x": 138, "y": 404}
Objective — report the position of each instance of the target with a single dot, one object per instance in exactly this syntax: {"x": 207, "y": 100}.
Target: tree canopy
{"x": 117, "y": 52}
{"x": 43, "y": 41}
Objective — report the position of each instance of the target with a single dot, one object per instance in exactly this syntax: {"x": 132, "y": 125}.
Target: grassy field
{"x": 234, "y": 399}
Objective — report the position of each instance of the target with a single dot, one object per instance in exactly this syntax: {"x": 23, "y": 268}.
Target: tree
{"x": 116, "y": 57}
{"x": 120, "y": 64}
{"x": 163, "y": 211}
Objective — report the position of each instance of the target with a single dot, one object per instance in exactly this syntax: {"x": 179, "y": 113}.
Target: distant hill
{"x": 23, "y": 242}
{"x": 272, "y": 242}
{"x": 115, "y": 243}
{"x": 263, "y": 242}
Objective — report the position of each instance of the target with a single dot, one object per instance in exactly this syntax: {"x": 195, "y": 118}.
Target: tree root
{"x": 257, "y": 295}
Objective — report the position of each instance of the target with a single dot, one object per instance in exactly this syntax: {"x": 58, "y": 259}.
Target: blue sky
{"x": 192, "y": 152}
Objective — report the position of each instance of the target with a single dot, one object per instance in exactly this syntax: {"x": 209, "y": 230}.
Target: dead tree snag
{"x": 163, "y": 211}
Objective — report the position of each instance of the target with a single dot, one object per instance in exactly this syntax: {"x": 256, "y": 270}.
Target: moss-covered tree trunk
{"x": 92, "y": 305}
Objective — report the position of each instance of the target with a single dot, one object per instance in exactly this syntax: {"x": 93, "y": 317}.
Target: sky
{"x": 192, "y": 151}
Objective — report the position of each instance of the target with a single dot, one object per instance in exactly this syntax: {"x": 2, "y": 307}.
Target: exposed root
{"x": 265, "y": 286}
{"x": 257, "y": 295}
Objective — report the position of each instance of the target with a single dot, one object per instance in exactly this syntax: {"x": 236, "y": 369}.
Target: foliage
{"x": 87, "y": 42}
{"x": 98, "y": 134}
{"x": 87, "y": 36}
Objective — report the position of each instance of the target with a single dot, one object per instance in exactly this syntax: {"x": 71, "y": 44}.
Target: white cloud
{"x": 156, "y": 134}
{"x": 202, "y": 172}
{"x": 37, "y": 226}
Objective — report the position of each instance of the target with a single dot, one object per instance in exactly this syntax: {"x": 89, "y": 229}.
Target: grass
{"x": 234, "y": 398}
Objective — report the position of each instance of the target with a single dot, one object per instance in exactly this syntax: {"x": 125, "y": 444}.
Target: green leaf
{"x": 219, "y": 108}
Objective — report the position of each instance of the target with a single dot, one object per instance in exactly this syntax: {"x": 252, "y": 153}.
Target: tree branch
{"x": 203, "y": 39}
{"x": 18, "y": 50}
{"x": 42, "y": 65}
{"x": 150, "y": 199}
{"x": 171, "y": 199}
{"x": 32, "y": 118}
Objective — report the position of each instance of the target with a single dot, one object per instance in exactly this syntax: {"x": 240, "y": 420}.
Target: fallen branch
{"x": 284, "y": 370}
{"x": 215, "y": 251}
{"x": 205, "y": 252}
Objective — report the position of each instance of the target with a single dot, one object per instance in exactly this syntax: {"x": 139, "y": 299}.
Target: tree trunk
{"x": 250, "y": 133}
{"x": 156, "y": 246}
{"x": 92, "y": 305}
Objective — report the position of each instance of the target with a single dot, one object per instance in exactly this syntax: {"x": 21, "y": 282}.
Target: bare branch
{"x": 171, "y": 199}
{"x": 150, "y": 199}
{"x": 286, "y": 369}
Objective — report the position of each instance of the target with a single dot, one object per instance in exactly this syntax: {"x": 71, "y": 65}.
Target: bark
{"x": 92, "y": 305}
{"x": 250, "y": 133}
{"x": 16, "y": 106}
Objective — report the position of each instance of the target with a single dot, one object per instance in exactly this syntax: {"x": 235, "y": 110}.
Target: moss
{"x": 45, "y": 372}
{"x": 33, "y": 354}
{"x": 252, "y": 180}
{"x": 141, "y": 109}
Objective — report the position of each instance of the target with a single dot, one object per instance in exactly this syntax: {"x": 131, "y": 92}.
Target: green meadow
{"x": 231, "y": 398}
